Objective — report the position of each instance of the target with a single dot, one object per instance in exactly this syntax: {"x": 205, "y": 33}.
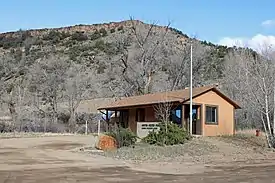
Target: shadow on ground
{"x": 60, "y": 146}
{"x": 124, "y": 174}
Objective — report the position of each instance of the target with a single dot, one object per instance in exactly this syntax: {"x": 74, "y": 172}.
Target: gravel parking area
{"x": 57, "y": 159}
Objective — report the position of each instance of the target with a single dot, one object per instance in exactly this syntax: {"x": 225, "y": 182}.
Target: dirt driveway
{"x": 50, "y": 159}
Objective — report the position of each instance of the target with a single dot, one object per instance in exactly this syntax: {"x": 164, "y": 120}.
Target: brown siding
{"x": 150, "y": 114}
{"x": 225, "y": 115}
{"x": 149, "y": 117}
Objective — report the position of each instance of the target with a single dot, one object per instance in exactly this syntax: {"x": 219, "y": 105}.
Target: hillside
{"x": 102, "y": 45}
{"x": 69, "y": 64}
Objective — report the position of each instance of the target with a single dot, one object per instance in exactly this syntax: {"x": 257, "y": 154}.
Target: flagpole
{"x": 191, "y": 90}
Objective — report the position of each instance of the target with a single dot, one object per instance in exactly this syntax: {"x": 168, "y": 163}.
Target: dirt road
{"x": 50, "y": 159}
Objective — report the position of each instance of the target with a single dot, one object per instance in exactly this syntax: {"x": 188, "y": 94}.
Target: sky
{"x": 235, "y": 22}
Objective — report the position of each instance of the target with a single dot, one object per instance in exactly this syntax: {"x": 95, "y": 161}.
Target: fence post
{"x": 98, "y": 128}
{"x": 86, "y": 128}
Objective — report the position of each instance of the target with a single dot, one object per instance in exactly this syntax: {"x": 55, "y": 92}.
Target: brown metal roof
{"x": 170, "y": 96}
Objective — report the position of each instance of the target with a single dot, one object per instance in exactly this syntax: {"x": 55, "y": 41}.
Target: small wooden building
{"x": 213, "y": 112}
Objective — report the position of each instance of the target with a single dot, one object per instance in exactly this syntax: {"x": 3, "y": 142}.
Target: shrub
{"x": 14, "y": 40}
{"x": 95, "y": 35}
{"x": 6, "y": 127}
{"x": 112, "y": 30}
{"x": 52, "y": 35}
{"x": 120, "y": 28}
{"x": 64, "y": 35}
{"x": 106, "y": 47}
{"x": 178, "y": 32}
{"x": 100, "y": 44}
{"x": 79, "y": 36}
{"x": 55, "y": 36}
{"x": 103, "y": 32}
{"x": 168, "y": 134}
{"x": 101, "y": 68}
{"x": 63, "y": 117}
{"x": 10, "y": 42}
{"x": 123, "y": 136}
{"x": 24, "y": 34}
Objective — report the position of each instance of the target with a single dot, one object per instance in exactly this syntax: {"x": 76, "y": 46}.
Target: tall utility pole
{"x": 191, "y": 92}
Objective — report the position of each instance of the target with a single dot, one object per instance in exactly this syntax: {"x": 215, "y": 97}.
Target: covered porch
{"x": 142, "y": 119}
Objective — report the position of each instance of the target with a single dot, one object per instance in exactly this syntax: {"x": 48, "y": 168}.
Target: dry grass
{"x": 249, "y": 132}
{"x": 35, "y": 134}
{"x": 205, "y": 150}
{"x": 245, "y": 140}
{"x": 247, "y": 137}
{"x": 144, "y": 152}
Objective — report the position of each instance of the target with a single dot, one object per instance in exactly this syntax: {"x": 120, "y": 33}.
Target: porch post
{"x": 107, "y": 119}
{"x": 202, "y": 116}
{"x": 117, "y": 122}
{"x": 183, "y": 117}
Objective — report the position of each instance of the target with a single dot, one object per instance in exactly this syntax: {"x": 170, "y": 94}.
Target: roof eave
{"x": 235, "y": 104}
{"x": 133, "y": 106}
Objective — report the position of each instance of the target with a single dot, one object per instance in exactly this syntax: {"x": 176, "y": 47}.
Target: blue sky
{"x": 211, "y": 20}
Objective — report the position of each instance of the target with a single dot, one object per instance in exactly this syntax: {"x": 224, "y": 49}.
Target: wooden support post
{"x": 183, "y": 122}
{"x": 107, "y": 119}
{"x": 181, "y": 117}
{"x": 117, "y": 122}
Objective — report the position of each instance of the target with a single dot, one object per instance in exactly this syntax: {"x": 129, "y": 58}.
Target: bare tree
{"x": 140, "y": 61}
{"x": 163, "y": 111}
{"x": 177, "y": 64}
{"x": 251, "y": 78}
{"x": 14, "y": 84}
{"x": 80, "y": 84}
{"x": 47, "y": 78}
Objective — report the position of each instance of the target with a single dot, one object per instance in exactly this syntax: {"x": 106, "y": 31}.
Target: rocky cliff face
{"x": 77, "y": 28}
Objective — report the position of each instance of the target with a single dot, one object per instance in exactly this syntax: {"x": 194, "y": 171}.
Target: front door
{"x": 196, "y": 121}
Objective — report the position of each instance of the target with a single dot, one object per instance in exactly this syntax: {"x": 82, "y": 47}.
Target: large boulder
{"x": 106, "y": 142}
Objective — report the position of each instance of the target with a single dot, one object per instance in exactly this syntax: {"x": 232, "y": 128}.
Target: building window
{"x": 211, "y": 116}
{"x": 140, "y": 115}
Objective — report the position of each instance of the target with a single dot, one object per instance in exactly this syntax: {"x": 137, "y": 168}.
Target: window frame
{"x": 217, "y": 115}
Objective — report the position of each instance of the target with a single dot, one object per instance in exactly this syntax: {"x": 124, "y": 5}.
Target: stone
{"x": 106, "y": 142}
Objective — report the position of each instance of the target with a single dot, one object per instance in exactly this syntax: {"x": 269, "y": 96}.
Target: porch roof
{"x": 180, "y": 96}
